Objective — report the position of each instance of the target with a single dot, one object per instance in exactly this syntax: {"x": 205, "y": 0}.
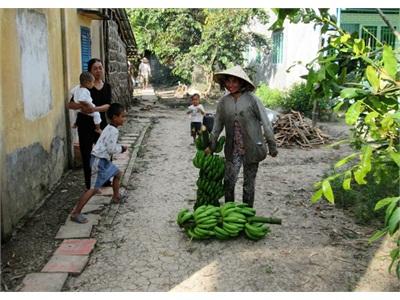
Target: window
{"x": 86, "y": 48}
{"x": 277, "y": 47}
{"x": 369, "y": 35}
{"x": 387, "y": 36}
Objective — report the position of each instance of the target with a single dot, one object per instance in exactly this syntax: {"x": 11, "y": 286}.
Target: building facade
{"x": 43, "y": 51}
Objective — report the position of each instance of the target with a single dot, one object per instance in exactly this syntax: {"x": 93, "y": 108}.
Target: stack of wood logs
{"x": 293, "y": 129}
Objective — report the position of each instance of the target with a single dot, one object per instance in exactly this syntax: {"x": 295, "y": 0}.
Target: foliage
{"x": 271, "y": 98}
{"x": 362, "y": 199}
{"x": 182, "y": 38}
{"x": 298, "y": 98}
{"x": 366, "y": 84}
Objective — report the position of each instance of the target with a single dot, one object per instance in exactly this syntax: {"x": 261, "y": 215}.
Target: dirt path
{"x": 318, "y": 247}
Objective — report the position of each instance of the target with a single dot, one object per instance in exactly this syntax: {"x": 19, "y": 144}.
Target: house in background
{"x": 300, "y": 43}
{"x": 294, "y": 43}
{"x": 43, "y": 51}
{"x": 369, "y": 25}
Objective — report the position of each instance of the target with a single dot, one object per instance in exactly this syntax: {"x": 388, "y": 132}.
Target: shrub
{"x": 361, "y": 199}
{"x": 271, "y": 98}
{"x": 299, "y": 99}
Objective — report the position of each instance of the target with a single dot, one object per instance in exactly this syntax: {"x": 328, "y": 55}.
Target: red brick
{"x": 76, "y": 247}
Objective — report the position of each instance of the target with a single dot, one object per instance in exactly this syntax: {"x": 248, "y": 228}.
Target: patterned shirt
{"x": 238, "y": 145}
{"x": 107, "y": 144}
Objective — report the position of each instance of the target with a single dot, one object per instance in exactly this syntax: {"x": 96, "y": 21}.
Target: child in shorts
{"x": 196, "y": 111}
{"x": 102, "y": 167}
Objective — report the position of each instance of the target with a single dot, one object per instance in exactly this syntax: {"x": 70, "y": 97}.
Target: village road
{"x": 317, "y": 248}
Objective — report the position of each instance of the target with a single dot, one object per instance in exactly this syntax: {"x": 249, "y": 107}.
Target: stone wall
{"x": 117, "y": 67}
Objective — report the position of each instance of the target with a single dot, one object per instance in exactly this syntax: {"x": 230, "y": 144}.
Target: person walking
{"x": 145, "y": 72}
{"x": 244, "y": 118}
{"x": 102, "y": 169}
{"x": 101, "y": 95}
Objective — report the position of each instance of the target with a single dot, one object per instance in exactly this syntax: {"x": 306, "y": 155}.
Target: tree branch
{"x": 396, "y": 33}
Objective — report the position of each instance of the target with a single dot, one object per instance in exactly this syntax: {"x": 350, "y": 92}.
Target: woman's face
{"x": 97, "y": 70}
{"x": 232, "y": 84}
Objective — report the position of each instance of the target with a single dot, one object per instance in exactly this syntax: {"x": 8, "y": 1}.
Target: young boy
{"x": 102, "y": 168}
{"x": 81, "y": 95}
{"x": 196, "y": 111}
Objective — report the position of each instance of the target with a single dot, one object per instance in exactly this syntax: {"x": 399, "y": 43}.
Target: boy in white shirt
{"x": 196, "y": 111}
{"x": 102, "y": 167}
{"x": 81, "y": 94}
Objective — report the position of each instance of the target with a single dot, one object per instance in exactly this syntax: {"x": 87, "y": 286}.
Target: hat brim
{"x": 221, "y": 77}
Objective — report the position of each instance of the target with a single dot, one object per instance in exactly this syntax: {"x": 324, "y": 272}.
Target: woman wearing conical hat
{"x": 246, "y": 124}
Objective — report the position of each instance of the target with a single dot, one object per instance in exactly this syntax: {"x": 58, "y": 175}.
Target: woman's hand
{"x": 87, "y": 109}
{"x": 207, "y": 151}
{"x": 273, "y": 152}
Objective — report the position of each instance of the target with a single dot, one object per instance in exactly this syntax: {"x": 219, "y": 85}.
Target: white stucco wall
{"x": 301, "y": 42}
{"x": 36, "y": 89}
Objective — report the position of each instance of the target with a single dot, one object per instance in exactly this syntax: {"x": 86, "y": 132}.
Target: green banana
{"x": 186, "y": 216}
{"x": 248, "y": 211}
{"x": 229, "y": 226}
{"x": 235, "y": 220}
{"x": 180, "y": 214}
{"x": 251, "y": 236}
{"x": 255, "y": 231}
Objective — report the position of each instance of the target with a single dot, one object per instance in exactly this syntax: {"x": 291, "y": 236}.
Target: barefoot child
{"x": 102, "y": 168}
{"x": 81, "y": 95}
{"x": 196, "y": 111}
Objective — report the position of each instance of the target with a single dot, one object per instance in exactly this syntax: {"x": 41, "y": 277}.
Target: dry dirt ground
{"x": 317, "y": 248}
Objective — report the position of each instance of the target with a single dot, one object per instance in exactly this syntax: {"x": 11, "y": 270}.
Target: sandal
{"x": 81, "y": 219}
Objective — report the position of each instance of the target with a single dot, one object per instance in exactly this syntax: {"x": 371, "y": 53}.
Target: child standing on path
{"x": 196, "y": 111}
{"x": 81, "y": 94}
{"x": 102, "y": 168}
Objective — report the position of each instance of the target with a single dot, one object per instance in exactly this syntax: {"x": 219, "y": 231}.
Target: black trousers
{"x": 87, "y": 138}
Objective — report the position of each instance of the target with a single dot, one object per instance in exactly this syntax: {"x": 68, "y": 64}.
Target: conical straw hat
{"x": 236, "y": 71}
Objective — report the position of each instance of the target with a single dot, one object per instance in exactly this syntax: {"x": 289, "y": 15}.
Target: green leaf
{"x": 345, "y": 160}
{"x": 394, "y": 221}
{"x": 395, "y": 156}
{"x": 317, "y": 195}
{"x": 332, "y": 69}
{"x": 390, "y": 209}
{"x": 327, "y": 190}
{"x": 347, "y": 180}
{"x": 344, "y": 38}
{"x": 359, "y": 176}
{"x": 359, "y": 47}
{"x": 338, "y": 106}
{"x": 366, "y": 158}
{"x": 370, "y": 118}
{"x": 377, "y": 235}
{"x": 389, "y": 61}
{"x": 383, "y": 202}
{"x": 353, "y": 112}
{"x": 387, "y": 122}
{"x": 348, "y": 93}
{"x": 373, "y": 78}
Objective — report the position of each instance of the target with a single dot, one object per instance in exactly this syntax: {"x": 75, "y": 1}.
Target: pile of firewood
{"x": 293, "y": 129}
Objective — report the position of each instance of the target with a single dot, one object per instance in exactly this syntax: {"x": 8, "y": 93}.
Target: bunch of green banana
{"x": 224, "y": 222}
{"x": 206, "y": 217}
{"x": 233, "y": 220}
{"x": 212, "y": 169}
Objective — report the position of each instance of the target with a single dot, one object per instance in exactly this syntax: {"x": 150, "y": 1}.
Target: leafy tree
{"x": 211, "y": 38}
{"x": 366, "y": 84}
